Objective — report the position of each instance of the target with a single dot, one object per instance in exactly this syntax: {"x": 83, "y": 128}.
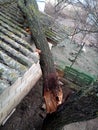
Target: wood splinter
{"x": 53, "y": 94}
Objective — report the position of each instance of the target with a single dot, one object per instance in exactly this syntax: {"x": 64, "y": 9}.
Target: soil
{"x": 29, "y": 114}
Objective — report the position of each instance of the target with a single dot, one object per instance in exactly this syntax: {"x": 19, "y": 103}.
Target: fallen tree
{"x": 77, "y": 108}
{"x": 82, "y": 105}
{"x": 52, "y": 91}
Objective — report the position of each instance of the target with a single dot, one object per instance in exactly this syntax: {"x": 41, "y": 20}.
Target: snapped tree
{"x": 82, "y": 105}
{"x": 52, "y": 91}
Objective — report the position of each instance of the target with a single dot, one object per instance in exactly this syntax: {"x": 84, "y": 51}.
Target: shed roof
{"x": 16, "y": 54}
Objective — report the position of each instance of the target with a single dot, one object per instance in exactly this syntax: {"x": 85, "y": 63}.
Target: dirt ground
{"x": 29, "y": 114}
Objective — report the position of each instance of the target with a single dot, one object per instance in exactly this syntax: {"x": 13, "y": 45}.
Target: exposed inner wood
{"x": 53, "y": 94}
{"x": 52, "y": 91}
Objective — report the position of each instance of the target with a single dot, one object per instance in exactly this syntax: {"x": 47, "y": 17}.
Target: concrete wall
{"x": 12, "y": 96}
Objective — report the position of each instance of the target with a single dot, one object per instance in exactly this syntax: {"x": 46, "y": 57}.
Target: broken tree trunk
{"x": 51, "y": 89}
{"x": 82, "y": 105}
{"x": 77, "y": 108}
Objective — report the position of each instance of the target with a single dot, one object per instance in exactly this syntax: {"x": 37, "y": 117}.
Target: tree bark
{"x": 52, "y": 90}
{"x": 77, "y": 108}
{"x": 31, "y": 12}
{"x": 82, "y": 105}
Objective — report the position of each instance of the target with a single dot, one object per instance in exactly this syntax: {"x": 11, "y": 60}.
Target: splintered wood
{"x": 53, "y": 94}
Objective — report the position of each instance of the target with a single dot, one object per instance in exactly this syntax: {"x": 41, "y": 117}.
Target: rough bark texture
{"x": 52, "y": 91}
{"x": 31, "y": 12}
{"x": 74, "y": 110}
{"x": 82, "y": 105}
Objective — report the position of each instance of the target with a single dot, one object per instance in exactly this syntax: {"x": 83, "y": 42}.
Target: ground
{"x": 29, "y": 113}
{"x": 66, "y": 51}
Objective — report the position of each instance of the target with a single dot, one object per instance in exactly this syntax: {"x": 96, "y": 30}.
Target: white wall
{"x": 41, "y": 5}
